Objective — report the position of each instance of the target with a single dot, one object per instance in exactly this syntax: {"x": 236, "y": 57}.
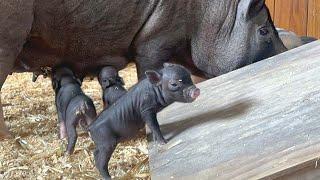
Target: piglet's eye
{"x": 174, "y": 85}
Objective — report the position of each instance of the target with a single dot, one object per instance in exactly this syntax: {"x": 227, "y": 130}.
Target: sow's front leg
{"x": 16, "y": 18}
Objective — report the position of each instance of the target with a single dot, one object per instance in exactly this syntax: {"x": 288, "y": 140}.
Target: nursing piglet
{"x": 73, "y": 106}
{"x": 112, "y": 85}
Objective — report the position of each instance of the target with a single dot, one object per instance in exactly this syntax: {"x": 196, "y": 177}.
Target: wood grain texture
{"x": 314, "y": 18}
{"x": 308, "y": 173}
{"x": 261, "y": 121}
{"x": 270, "y": 5}
{"x": 292, "y": 15}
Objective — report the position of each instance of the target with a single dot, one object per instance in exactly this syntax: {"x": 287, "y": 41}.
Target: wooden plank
{"x": 314, "y": 18}
{"x": 261, "y": 121}
{"x": 308, "y": 173}
{"x": 270, "y": 5}
{"x": 292, "y": 15}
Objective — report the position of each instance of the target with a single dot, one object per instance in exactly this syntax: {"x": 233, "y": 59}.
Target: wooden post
{"x": 314, "y": 18}
{"x": 270, "y": 4}
{"x": 292, "y": 15}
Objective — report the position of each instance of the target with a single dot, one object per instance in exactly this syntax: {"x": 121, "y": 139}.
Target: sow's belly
{"x": 36, "y": 59}
{"x": 84, "y": 34}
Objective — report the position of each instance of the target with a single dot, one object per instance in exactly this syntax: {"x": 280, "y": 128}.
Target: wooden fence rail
{"x": 258, "y": 122}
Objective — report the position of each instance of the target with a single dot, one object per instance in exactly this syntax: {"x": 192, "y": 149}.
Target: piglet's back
{"x": 72, "y": 89}
{"x": 126, "y": 109}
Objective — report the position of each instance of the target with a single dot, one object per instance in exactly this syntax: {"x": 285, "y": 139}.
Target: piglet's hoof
{"x": 162, "y": 142}
{"x": 68, "y": 153}
{"x": 107, "y": 178}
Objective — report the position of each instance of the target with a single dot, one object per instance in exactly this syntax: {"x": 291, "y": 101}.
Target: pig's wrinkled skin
{"x": 209, "y": 37}
{"x": 73, "y": 106}
{"x": 292, "y": 40}
{"x": 111, "y": 84}
{"x": 122, "y": 120}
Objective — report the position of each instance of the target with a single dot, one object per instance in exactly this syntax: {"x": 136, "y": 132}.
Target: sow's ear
{"x": 153, "y": 76}
{"x": 252, "y": 7}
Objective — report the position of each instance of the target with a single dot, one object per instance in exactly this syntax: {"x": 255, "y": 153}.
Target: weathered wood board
{"x": 261, "y": 121}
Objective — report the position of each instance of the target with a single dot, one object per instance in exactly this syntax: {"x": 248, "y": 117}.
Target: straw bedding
{"x": 37, "y": 153}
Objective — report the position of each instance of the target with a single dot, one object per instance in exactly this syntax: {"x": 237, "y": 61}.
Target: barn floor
{"x": 37, "y": 153}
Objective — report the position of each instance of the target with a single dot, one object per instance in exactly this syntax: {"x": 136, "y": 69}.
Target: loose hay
{"x": 37, "y": 153}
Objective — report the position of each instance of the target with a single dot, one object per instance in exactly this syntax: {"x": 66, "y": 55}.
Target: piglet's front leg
{"x": 151, "y": 120}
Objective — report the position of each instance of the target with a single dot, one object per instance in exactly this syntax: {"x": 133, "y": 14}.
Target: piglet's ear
{"x": 153, "y": 76}
{"x": 167, "y": 65}
{"x": 54, "y": 84}
{"x": 121, "y": 81}
{"x": 79, "y": 81}
{"x": 106, "y": 83}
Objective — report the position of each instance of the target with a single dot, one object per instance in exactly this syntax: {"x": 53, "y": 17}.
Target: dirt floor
{"x": 37, "y": 153}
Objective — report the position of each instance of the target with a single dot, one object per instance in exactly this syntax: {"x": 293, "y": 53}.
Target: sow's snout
{"x": 191, "y": 93}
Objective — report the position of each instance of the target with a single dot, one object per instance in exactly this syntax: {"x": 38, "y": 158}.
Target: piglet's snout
{"x": 195, "y": 93}
{"x": 192, "y": 93}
